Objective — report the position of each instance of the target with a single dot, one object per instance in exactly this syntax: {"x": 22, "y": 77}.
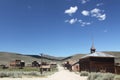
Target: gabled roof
{"x": 98, "y": 54}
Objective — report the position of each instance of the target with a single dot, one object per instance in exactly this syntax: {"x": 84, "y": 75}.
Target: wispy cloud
{"x": 85, "y": 13}
{"x": 96, "y": 12}
{"x": 99, "y": 14}
{"x": 72, "y": 21}
{"x": 99, "y": 4}
{"x": 84, "y": 1}
{"x": 75, "y": 20}
{"x": 71, "y": 10}
{"x": 102, "y": 17}
{"x": 83, "y": 23}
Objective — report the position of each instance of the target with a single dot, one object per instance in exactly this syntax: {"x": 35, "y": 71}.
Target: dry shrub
{"x": 117, "y": 77}
{"x": 84, "y": 73}
{"x": 101, "y": 76}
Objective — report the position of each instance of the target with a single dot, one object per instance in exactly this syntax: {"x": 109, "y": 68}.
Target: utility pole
{"x": 41, "y": 70}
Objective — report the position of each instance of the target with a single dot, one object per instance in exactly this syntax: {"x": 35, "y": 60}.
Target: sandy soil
{"x": 60, "y": 75}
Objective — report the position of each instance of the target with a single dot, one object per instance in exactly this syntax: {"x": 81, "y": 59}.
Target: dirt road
{"x": 60, "y": 75}
{"x": 66, "y": 75}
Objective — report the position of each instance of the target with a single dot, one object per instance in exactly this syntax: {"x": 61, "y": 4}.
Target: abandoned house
{"x": 17, "y": 63}
{"x": 35, "y": 64}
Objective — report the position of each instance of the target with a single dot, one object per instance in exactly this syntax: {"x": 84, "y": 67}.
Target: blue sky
{"x": 59, "y": 27}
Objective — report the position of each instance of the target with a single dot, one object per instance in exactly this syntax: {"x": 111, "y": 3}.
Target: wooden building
{"x": 17, "y": 63}
{"x": 35, "y": 64}
{"x": 75, "y": 66}
{"x": 117, "y": 68}
{"x": 46, "y": 67}
{"x": 97, "y": 62}
{"x": 67, "y": 65}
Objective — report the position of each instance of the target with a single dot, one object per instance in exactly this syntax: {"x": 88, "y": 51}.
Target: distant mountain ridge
{"x": 47, "y": 57}
{"x": 6, "y": 57}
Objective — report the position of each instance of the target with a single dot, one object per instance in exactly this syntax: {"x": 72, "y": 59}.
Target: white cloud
{"x": 99, "y": 4}
{"x": 84, "y": 1}
{"x": 99, "y": 14}
{"x": 72, "y": 21}
{"x": 102, "y": 17}
{"x": 71, "y": 10}
{"x": 83, "y": 23}
{"x": 80, "y": 20}
{"x": 85, "y": 13}
{"x": 95, "y": 10}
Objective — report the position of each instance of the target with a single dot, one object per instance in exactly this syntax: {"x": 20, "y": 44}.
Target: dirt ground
{"x": 60, "y": 75}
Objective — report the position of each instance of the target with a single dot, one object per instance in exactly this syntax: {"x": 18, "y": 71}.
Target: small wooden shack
{"x": 35, "y": 64}
{"x": 17, "y": 63}
{"x": 46, "y": 67}
{"x": 2, "y": 66}
{"x": 97, "y": 62}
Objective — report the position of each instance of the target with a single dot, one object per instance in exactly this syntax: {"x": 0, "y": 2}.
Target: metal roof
{"x": 98, "y": 54}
